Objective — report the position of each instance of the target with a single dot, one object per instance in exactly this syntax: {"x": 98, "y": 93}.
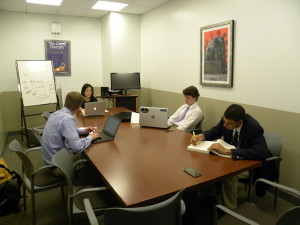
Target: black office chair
{"x": 167, "y": 212}
{"x": 248, "y": 213}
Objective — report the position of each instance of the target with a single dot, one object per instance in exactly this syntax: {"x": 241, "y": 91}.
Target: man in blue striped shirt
{"x": 61, "y": 131}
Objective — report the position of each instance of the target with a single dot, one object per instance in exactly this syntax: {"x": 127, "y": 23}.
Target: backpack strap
{"x": 4, "y": 167}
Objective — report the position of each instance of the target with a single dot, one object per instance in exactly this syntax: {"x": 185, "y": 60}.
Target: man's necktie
{"x": 235, "y": 139}
{"x": 182, "y": 115}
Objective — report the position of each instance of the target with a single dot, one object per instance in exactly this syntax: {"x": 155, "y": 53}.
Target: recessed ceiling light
{"x": 45, "y": 2}
{"x": 110, "y": 6}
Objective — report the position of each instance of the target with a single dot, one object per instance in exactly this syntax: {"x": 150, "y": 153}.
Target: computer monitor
{"x": 125, "y": 81}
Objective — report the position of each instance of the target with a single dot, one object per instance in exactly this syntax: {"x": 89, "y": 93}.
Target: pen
{"x": 194, "y": 137}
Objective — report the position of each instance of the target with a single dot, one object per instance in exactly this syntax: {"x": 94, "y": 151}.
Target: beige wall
{"x": 121, "y": 48}
{"x": 2, "y": 126}
{"x": 266, "y": 59}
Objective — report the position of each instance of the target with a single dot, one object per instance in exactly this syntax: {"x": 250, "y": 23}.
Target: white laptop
{"x": 109, "y": 131}
{"x": 153, "y": 117}
{"x": 94, "y": 109}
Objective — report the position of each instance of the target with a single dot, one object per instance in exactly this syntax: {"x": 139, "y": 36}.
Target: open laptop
{"x": 153, "y": 117}
{"x": 94, "y": 109}
{"x": 109, "y": 131}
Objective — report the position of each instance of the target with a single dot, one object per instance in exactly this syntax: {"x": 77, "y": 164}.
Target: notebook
{"x": 153, "y": 117}
{"x": 94, "y": 109}
{"x": 204, "y": 145}
{"x": 109, "y": 131}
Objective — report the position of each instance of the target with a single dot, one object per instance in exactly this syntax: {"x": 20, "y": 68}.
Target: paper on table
{"x": 204, "y": 145}
{"x": 135, "y": 117}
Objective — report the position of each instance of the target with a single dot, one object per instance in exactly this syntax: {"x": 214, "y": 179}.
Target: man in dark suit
{"x": 243, "y": 131}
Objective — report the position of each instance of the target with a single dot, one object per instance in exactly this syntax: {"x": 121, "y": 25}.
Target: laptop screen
{"x": 111, "y": 126}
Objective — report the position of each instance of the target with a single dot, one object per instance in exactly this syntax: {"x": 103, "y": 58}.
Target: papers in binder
{"x": 204, "y": 145}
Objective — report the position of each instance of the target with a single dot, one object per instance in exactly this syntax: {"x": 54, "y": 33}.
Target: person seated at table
{"x": 87, "y": 92}
{"x": 189, "y": 114}
{"x": 246, "y": 134}
{"x": 61, "y": 131}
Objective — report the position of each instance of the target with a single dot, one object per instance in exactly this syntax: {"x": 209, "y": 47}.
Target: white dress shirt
{"x": 191, "y": 118}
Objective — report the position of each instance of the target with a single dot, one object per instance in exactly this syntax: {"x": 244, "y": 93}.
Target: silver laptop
{"x": 109, "y": 131}
{"x": 94, "y": 109}
{"x": 153, "y": 117}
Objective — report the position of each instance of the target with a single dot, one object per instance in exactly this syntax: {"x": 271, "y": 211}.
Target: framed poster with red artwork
{"x": 216, "y": 54}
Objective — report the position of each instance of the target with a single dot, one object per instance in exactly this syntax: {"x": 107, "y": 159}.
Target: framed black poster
{"x": 58, "y": 52}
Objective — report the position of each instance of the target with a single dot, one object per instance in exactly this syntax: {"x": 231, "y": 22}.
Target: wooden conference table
{"x": 145, "y": 165}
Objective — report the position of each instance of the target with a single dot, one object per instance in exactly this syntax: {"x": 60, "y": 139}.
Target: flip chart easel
{"x": 36, "y": 86}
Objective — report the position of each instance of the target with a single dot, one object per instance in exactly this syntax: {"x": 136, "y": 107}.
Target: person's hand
{"x": 196, "y": 139}
{"x": 91, "y": 129}
{"x": 220, "y": 149}
{"x": 95, "y": 135}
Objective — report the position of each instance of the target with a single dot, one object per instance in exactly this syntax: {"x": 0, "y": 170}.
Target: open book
{"x": 204, "y": 145}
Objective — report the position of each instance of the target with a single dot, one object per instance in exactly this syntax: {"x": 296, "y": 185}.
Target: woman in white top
{"x": 189, "y": 114}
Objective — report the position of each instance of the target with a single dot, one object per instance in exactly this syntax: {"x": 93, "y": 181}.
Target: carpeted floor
{"x": 51, "y": 208}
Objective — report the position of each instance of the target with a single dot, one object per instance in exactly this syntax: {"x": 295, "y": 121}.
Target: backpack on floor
{"x": 10, "y": 193}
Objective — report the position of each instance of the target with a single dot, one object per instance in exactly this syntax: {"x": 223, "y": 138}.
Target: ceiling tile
{"x": 79, "y": 7}
{"x": 96, "y": 13}
{"x": 78, "y": 3}
{"x": 34, "y": 8}
{"x": 13, "y": 5}
{"x": 152, "y": 3}
{"x": 72, "y": 11}
{"x": 135, "y": 9}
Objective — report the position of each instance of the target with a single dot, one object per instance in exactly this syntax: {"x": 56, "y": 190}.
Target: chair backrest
{"x": 167, "y": 212}
{"x": 290, "y": 217}
{"x": 16, "y": 147}
{"x": 274, "y": 143}
{"x": 46, "y": 115}
{"x": 199, "y": 125}
{"x": 196, "y": 129}
{"x": 63, "y": 160}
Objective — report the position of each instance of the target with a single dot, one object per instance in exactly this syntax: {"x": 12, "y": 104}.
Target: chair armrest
{"x": 40, "y": 127}
{"x": 33, "y": 149}
{"x": 280, "y": 186}
{"x": 90, "y": 212}
{"x": 43, "y": 167}
{"x": 89, "y": 189}
{"x": 234, "y": 214}
{"x": 273, "y": 158}
{"x": 79, "y": 161}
